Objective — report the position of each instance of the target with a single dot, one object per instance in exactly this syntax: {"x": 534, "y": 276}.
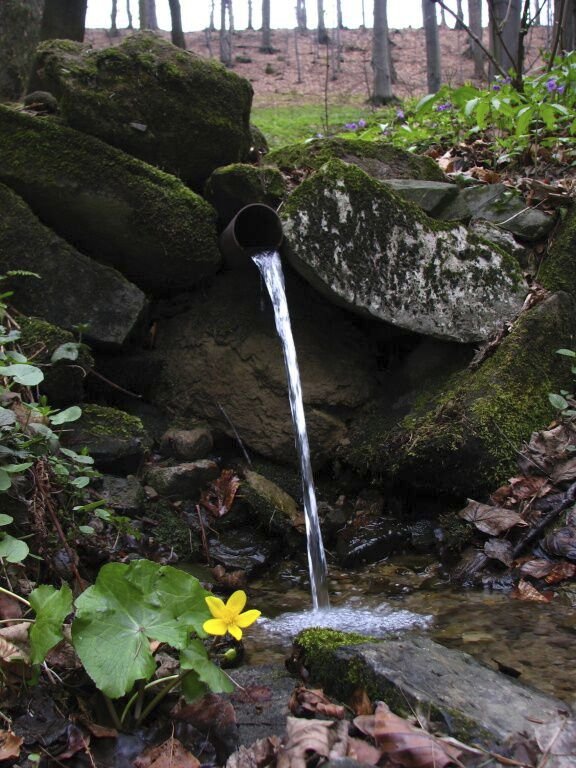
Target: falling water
{"x": 271, "y": 270}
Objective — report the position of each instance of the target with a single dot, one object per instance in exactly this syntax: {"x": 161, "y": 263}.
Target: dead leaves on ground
{"x": 306, "y": 702}
{"x": 490, "y": 520}
{"x": 220, "y": 495}
{"x": 9, "y": 745}
{"x": 170, "y": 754}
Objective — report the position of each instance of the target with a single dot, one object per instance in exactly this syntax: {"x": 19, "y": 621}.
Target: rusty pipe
{"x": 254, "y": 229}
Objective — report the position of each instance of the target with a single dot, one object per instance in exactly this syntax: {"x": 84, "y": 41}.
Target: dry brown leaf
{"x": 9, "y": 608}
{"x": 561, "y": 543}
{"x": 258, "y": 755}
{"x": 78, "y": 741}
{"x": 564, "y": 472}
{"x": 306, "y": 700}
{"x": 170, "y": 754}
{"x": 306, "y": 738}
{"x": 403, "y": 743}
{"x": 537, "y": 569}
{"x": 9, "y": 745}
{"x": 490, "y": 520}
{"x": 360, "y": 702}
{"x": 363, "y": 752}
{"x": 561, "y": 572}
{"x": 498, "y": 549}
{"x": 207, "y": 713}
{"x": 219, "y": 497}
{"x": 10, "y": 652}
{"x": 525, "y": 591}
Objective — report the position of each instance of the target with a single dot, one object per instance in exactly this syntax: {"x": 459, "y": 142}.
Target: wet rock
{"x": 369, "y": 538}
{"x": 144, "y": 223}
{"x": 125, "y": 495}
{"x": 428, "y": 195}
{"x": 116, "y": 441}
{"x": 172, "y": 108}
{"x": 223, "y": 363}
{"x": 378, "y": 159}
{"x": 410, "y": 674}
{"x": 273, "y": 506}
{"x": 500, "y": 205}
{"x": 186, "y": 444}
{"x": 357, "y": 243}
{"x": 232, "y": 187}
{"x": 462, "y": 433}
{"x": 183, "y": 480}
{"x": 248, "y": 550}
{"x": 103, "y": 299}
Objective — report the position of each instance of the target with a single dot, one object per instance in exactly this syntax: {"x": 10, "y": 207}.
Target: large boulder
{"x": 558, "y": 270}
{"x": 103, "y": 300}
{"x": 461, "y": 432}
{"x": 223, "y": 362}
{"x": 169, "y": 107}
{"x": 362, "y": 246}
{"x": 123, "y": 212}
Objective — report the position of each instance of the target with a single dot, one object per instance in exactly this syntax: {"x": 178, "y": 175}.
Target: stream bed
{"x": 534, "y": 642}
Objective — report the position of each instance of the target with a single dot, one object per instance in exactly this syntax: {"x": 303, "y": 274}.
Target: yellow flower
{"x": 228, "y": 617}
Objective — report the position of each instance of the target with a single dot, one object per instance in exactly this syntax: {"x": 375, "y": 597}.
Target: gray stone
{"x": 428, "y": 195}
{"x": 413, "y": 674}
{"x": 144, "y": 223}
{"x": 362, "y": 246}
{"x": 500, "y": 205}
{"x": 124, "y": 494}
{"x": 232, "y": 187}
{"x": 172, "y": 108}
{"x": 184, "y": 480}
{"x": 72, "y": 289}
{"x": 186, "y": 444}
{"x": 500, "y": 237}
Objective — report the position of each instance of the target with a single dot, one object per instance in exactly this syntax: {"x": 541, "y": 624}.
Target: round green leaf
{"x": 557, "y": 401}
{"x": 13, "y": 550}
{"x": 26, "y": 375}
{"x": 67, "y": 351}
{"x": 51, "y": 606}
{"x": 64, "y": 417}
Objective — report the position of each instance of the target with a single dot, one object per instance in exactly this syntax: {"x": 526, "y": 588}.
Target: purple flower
{"x": 560, "y": 89}
{"x": 361, "y": 123}
{"x": 495, "y": 87}
{"x": 400, "y": 114}
{"x": 350, "y": 126}
{"x": 551, "y": 85}
{"x": 443, "y": 107}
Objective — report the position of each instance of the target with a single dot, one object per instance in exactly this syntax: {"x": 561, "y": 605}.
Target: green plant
{"x": 565, "y": 401}
{"x": 122, "y": 620}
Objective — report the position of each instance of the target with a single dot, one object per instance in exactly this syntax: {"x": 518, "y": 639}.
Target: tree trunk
{"x": 382, "y": 84}
{"x": 151, "y": 13}
{"x": 113, "y": 18}
{"x": 129, "y": 14}
{"x": 177, "y": 33}
{"x": 433, "y": 72}
{"x": 322, "y": 34}
{"x": 339, "y": 21}
{"x": 301, "y": 19}
{"x": 143, "y": 14}
{"x": 504, "y": 28}
{"x": 225, "y": 33}
{"x": 211, "y": 25}
{"x": 565, "y": 24}
{"x": 475, "y": 24}
{"x": 63, "y": 20}
{"x": 459, "y": 15}
{"x": 19, "y": 35}
{"x": 250, "y": 25}
{"x": 266, "y": 41}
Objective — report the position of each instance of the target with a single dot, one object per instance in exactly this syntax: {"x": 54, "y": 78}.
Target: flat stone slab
{"x": 468, "y": 700}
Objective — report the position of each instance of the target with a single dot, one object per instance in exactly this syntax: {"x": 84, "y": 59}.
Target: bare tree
{"x": 129, "y": 14}
{"x": 322, "y": 33}
{"x": 152, "y": 20}
{"x": 226, "y": 27}
{"x": 177, "y": 33}
{"x": 63, "y": 19}
{"x": 211, "y": 25}
{"x": 382, "y": 83}
{"x": 266, "y": 41}
{"x": 339, "y": 21}
{"x": 433, "y": 71}
{"x": 504, "y": 29}
{"x": 113, "y": 19}
{"x": 459, "y": 15}
{"x": 564, "y": 25}
{"x": 301, "y": 18}
{"x": 250, "y": 24}
{"x": 475, "y": 24}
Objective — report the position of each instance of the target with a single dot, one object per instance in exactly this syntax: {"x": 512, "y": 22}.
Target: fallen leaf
{"x": 564, "y": 472}
{"x": 78, "y": 741}
{"x": 525, "y": 591}
{"x": 403, "y": 743}
{"x": 252, "y": 694}
{"x": 170, "y": 754}
{"x": 363, "y": 752}
{"x": 9, "y": 745}
{"x": 360, "y": 702}
{"x": 561, "y": 572}
{"x": 537, "y": 569}
{"x": 490, "y": 520}
{"x": 498, "y": 549}
{"x": 309, "y": 738}
{"x": 9, "y": 608}
{"x": 259, "y": 754}
{"x": 10, "y": 652}
{"x": 220, "y": 495}
{"x": 206, "y": 713}
{"x": 312, "y": 701}
{"x": 561, "y": 543}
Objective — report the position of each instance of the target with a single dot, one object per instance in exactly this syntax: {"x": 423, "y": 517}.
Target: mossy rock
{"x": 462, "y": 436}
{"x": 172, "y": 108}
{"x": 116, "y": 440}
{"x": 19, "y": 33}
{"x": 125, "y": 213}
{"x": 376, "y": 158}
{"x": 232, "y": 187}
{"x": 363, "y": 247}
{"x": 102, "y": 300}
{"x": 558, "y": 270}
{"x": 63, "y": 383}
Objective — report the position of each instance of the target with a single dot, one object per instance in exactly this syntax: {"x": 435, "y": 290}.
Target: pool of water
{"x": 536, "y": 642}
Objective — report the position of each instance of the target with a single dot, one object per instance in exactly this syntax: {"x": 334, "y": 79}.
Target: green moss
{"x": 376, "y": 158}
{"x": 100, "y": 420}
{"x": 558, "y": 271}
{"x": 233, "y": 186}
{"x": 171, "y": 531}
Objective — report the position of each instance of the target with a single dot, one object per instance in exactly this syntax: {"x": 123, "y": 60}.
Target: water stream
{"x": 270, "y": 268}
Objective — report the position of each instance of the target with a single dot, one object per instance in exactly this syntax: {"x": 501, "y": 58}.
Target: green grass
{"x": 286, "y": 124}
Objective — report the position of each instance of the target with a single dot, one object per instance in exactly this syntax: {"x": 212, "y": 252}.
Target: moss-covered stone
{"x": 463, "y": 435}
{"x": 103, "y": 300}
{"x": 362, "y": 246}
{"x": 63, "y": 382}
{"x": 19, "y": 33}
{"x": 172, "y": 108}
{"x": 232, "y": 187}
{"x": 376, "y": 158}
{"x": 116, "y": 440}
{"x": 558, "y": 270}
{"x": 143, "y": 222}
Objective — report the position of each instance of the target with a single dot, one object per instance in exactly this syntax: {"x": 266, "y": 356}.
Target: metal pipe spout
{"x": 256, "y": 228}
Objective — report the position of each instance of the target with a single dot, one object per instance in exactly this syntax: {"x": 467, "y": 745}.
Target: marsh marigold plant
{"x": 228, "y": 616}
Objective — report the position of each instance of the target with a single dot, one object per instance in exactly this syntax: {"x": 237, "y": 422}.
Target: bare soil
{"x": 299, "y": 70}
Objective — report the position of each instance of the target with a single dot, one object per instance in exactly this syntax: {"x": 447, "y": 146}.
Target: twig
{"x": 113, "y": 385}
{"x": 205, "y": 546}
{"x": 565, "y": 500}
